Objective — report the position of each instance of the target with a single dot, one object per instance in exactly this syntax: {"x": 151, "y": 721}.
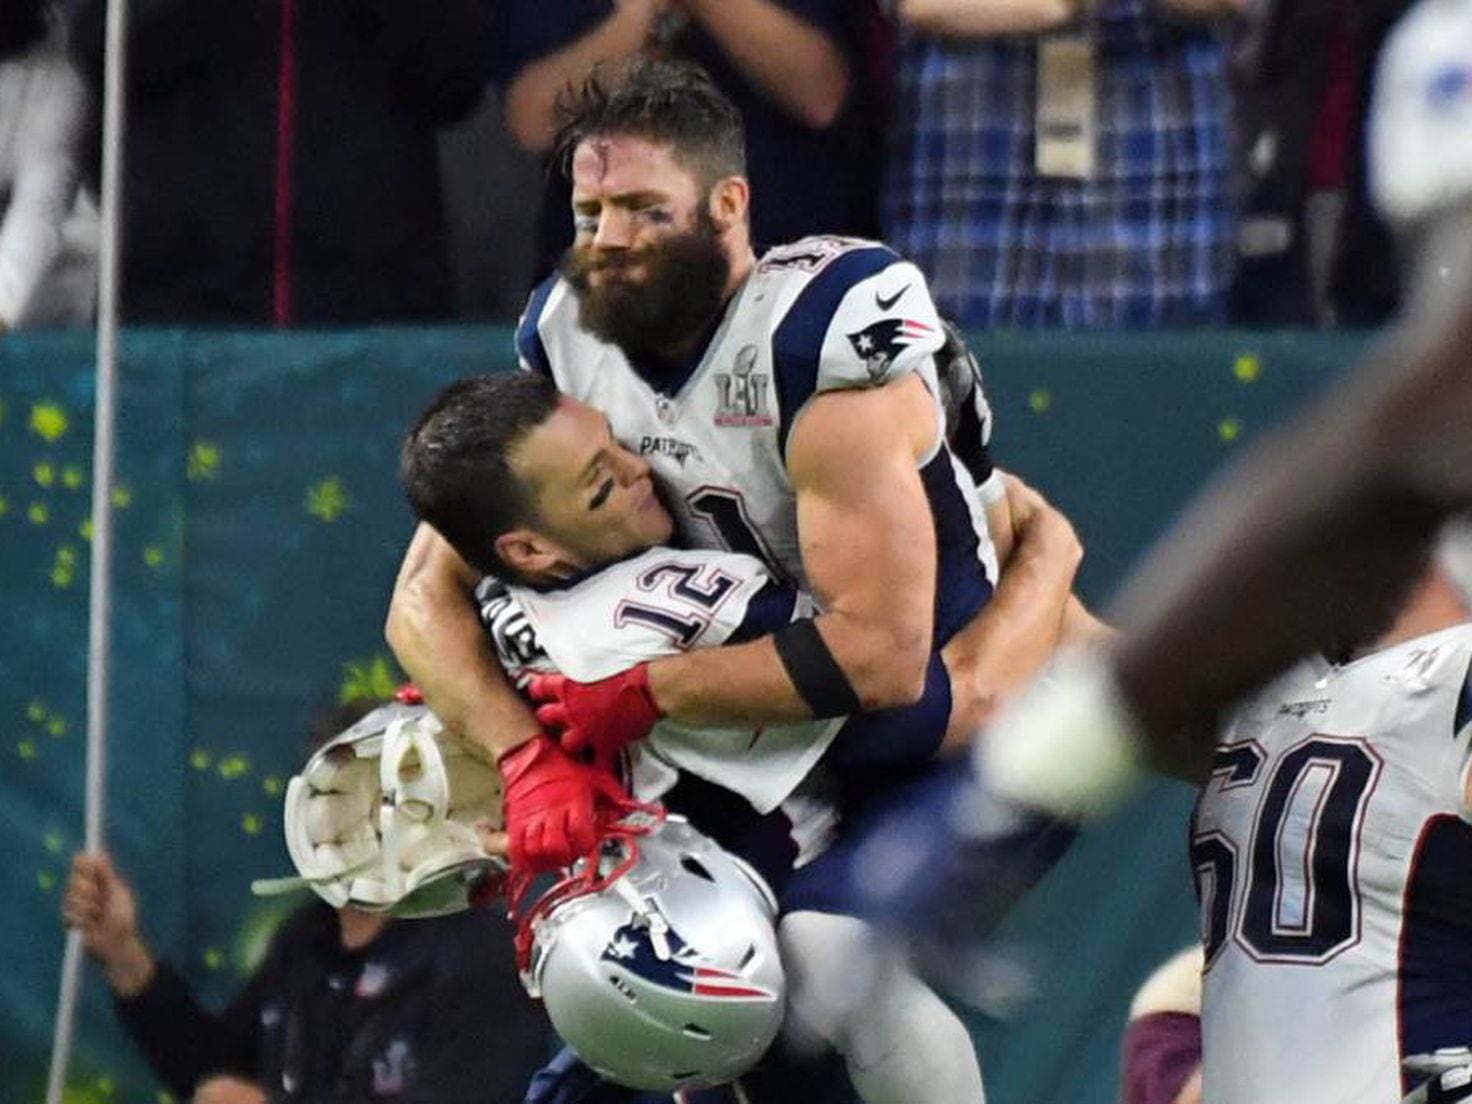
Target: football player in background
{"x": 1332, "y": 846}
{"x": 501, "y": 463}
{"x": 789, "y": 407}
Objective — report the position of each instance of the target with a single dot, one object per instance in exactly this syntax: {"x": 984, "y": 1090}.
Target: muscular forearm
{"x": 794, "y": 63}
{"x": 1006, "y": 644}
{"x": 438, "y": 639}
{"x": 531, "y": 98}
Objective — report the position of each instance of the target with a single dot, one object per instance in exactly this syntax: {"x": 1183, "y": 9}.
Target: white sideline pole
{"x": 99, "y": 614}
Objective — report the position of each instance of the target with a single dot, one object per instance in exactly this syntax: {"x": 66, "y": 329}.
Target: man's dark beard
{"x": 660, "y": 317}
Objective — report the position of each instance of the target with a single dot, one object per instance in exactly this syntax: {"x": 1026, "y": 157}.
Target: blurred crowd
{"x": 1047, "y": 163}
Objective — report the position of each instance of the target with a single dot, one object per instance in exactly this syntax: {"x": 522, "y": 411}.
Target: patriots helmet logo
{"x": 880, "y": 342}
{"x": 682, "y": 969}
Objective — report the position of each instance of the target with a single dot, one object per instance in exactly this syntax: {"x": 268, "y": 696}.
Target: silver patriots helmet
{"x": 660, "y": 968}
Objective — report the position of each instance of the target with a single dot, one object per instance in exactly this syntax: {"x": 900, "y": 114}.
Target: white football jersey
{"x": 1333, "y": 862}
{"x": 818, "y": 315}
{"x": 662, "y": 602}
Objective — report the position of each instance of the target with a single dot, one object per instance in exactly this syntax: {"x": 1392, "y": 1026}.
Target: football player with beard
{"x": 789, "y": 407}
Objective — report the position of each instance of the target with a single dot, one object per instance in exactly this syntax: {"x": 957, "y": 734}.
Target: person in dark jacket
{"x": 347, "y": 1006}
{"x": 281, "y": 161}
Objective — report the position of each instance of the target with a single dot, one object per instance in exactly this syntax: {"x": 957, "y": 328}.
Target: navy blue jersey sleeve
{"x": 530, "y": 351}
{"x": 1464, "y": 705}
{"x": 904, "y": 735}
{"x": 769, "y": 609}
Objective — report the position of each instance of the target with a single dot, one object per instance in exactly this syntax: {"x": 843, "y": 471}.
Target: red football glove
{"x": 552, "y": 805}
{"x": 603, "y": 715}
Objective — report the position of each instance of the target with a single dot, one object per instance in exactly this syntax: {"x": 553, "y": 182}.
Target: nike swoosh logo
{"x": 884, "y": 304}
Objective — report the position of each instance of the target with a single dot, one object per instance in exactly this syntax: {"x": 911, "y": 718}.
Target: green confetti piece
{"x": 204, "y": 461}
{"x": 46, "y": 881}
{"x": 26, "y": 749}
{"x": 272, "y": 785}
{"x": 1247, "y": 367}
{"x": 233, "y": 766}
{"x": 48, "y": 421}
{"x": 44, "y": 473}
{"x": 1040, "y": 400}
{"x": 37, "y": 513}
{"x": 53, "y": 841}
{"x": 122, "y": 496}
{"x": 36, "y": 711}
{"x": 1229, "y": 429}
{"x": 372, "y": 680}
{"x": 327, "y": 499}
{"x": 56, "y": 727}
{"x": 251, "y": 824}
{"x": 72, "y": 477}
{"x": 85, "y": 530}
{"x": 4, "y": 505}
{"x": 200, "y": 759}
{"x": 213, "y": 958}
{"x": 153, "y": 557}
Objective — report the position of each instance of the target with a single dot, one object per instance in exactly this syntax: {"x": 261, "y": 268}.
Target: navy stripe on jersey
{"x": 769, "y": 609}
{"x": 903, "y": 735}
{"x": 1435, "y": 1001}
{"x": 528, "y": 336}
{"x": 1464, "y": 705}
{"x": 961, "y": 585}
{"x": 797, "y": 345}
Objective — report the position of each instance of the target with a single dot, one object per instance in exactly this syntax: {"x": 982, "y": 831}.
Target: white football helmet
{"x": 660, "y": 968}
{"x": 383, "y": 818}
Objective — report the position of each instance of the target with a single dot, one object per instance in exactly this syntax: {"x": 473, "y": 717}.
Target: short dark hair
{"x": 455, "y": 463}
{"x": 673, "y": 103}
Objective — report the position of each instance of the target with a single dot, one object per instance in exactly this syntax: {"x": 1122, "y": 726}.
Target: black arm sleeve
{"x": 182, "y": 1041}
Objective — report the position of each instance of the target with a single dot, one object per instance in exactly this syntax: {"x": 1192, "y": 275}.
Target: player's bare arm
{"x": 434, "y": 632}
{"x": 868, "y": 545}
{"x": 1009, "y": 641}
{"x": 768, "y": 44}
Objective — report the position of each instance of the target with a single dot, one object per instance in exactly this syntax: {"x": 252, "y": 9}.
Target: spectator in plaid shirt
{"x": 1143, "y": 238}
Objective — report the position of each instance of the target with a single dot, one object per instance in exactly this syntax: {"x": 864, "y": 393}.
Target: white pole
{"x": 99, "y": 615}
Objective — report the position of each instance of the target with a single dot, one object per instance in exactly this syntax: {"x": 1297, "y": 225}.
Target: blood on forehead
{"x": 628, "y": 162}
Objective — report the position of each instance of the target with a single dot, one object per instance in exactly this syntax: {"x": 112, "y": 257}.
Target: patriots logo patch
{"x": 681, "y": 970}
{"x": 880, "y": 342}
